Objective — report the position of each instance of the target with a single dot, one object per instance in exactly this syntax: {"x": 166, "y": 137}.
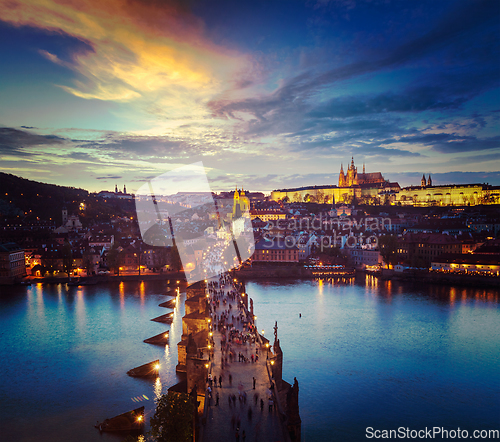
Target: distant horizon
{"x": 130, "y": 190}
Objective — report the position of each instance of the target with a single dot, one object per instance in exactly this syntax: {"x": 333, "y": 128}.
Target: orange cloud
{"x": 141, "y": 51}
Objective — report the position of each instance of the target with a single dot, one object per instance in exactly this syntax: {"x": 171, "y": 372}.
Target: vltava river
{"x": 365, "y": 353}
{"x": 385, "y": 355}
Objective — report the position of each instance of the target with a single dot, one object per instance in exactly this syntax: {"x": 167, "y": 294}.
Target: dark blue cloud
{"x": 14, "y": 141}
{"x": 451, "y": 143}
{"x": 453, "y": 62}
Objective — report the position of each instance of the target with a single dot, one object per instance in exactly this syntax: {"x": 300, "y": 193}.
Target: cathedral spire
{"x": 363, "y": 168}
{"x": 422, "y": 181}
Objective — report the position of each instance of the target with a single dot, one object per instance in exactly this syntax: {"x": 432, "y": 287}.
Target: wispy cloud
{"x": 148, "y": 51}
{"x": 14, "y": 141}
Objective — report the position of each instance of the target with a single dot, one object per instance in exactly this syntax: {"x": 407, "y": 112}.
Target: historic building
{"x": 277, "y": 250}
{"x": 241, "y": 204}
{"x": 451, "y": 195}
{"x": 116, "y": 194}
{"x": 352, "y": 186}
{"x": 12, "y": 262}
{"x": 372, "y": 188}
{"x": 353, "y": 178}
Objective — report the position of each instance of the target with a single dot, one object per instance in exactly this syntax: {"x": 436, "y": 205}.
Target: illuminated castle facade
{"x": 372, "y": 188}
{"x": 353, "y": 178}
{"x": 368, "y": 188}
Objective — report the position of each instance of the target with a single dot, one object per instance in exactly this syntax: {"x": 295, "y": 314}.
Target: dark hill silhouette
{"x": 24, "y": 200}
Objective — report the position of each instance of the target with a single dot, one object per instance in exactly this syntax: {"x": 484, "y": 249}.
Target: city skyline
{"x": 267, "y": 95}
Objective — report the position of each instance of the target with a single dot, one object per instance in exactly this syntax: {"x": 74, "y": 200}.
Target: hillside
{"x": 25, "y": 200}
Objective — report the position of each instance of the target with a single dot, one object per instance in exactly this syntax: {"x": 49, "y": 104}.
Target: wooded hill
{"x": 24, "y": 200}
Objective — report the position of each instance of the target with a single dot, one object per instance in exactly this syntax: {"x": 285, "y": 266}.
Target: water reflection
{"x": 80, "y": 310}
{"x": 421, "y": 356}
{"x": 389, "y": 289}
{"x": 157, "y": 388}
{"x": 320, "y": 288}
{"x": 407, "y": 354}
{"x": 39, "y": 300}
{"x": 121, "y": 289}
{"x": 142, "y": 290}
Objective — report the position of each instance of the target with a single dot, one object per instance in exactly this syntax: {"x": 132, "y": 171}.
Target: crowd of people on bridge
{"x": 239, "y": 342}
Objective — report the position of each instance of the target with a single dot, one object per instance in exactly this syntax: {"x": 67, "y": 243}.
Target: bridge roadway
{"x": 221, "y": 420}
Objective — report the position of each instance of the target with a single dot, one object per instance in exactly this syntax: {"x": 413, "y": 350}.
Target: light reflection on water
{"x": 385, "y": 354}
{"x": 365, "y": 353}
{"x": 67, "y": 351}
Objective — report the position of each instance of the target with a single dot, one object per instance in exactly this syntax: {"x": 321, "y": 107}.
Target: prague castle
{"x": 353, "y": 178}
{"x": 448, "y": 195}
{"x": 372, "y": 188}
{"x": 367, "y": 188}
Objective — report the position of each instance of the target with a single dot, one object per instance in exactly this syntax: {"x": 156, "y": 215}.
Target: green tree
{"x": 87, "y": 261}
{"x": 115, "y": 258}
{"x": 173, "y": 419}
{"x": 175, "y": 259}
{"x": 67, "y": 257}
{"x": 347, "y": 198}
{"x": 388, "y": 246}
{"x": 286, "y": 199}
{"x": 320, "y": 197}
{"x": 160, "y": 257}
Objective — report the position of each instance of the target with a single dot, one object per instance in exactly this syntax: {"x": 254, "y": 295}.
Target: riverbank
{"x": 290, "y": 271}
{"x": 419, "y": 276}
{"x": 102, "y": 279}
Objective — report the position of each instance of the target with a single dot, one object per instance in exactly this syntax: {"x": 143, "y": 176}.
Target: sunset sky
{"x": 268, "y": 94}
